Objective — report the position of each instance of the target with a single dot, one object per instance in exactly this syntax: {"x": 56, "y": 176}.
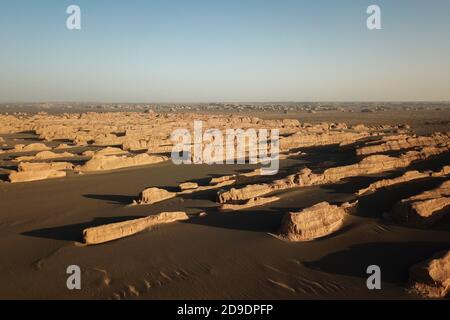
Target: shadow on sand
{"x": 112, "y": 198}
{"x": 394, "y": 259}
{"x": 73, "y": 232}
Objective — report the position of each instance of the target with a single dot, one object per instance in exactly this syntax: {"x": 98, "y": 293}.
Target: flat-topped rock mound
{"x": 42, "y": 166}
{"x": 114, "y": 231}
{"x": 431, "y": 278}
{"x": 27, "y": 176}
{"x": 46, "y": 155}
{"x": 29, "y": 148}
{"x": 305, "y": 177}
{"x": 110, "y": 151}
{"x": 154, "y": 195}
{"x": 425, "y": 209}
{"x": 404, "y": 142}
{"x": 188, "y": 186}
{"x": 305, "y": 139}
{"x": 315, "y": 222}
{"x": 103, "y": 163}
{"x": 406, "y": 177}
{"x": 254, "y": 202}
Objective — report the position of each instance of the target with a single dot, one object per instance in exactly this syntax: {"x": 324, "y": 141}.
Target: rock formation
{"x": 305, "y": 177}
{"x": 28, "y": 176}
{"x": 188, "y": 186}
{"x": 302, "y": 139}
{"x": 425, "y": 209}
{"x": 431, "y": 278}
{"x": 408, "y": 176}
{"x": 404, "y": 142}
{"x": 110, "y": 151}
{"x": 46, "y": 155}
{"x": 102, "y": 163}
{"x": 114, "y": 231}
{"x": 222, "y": 179}
{"x": 154, "y": 195}
{"x": 207, "y": 188}
{"x": 29, "y": 148}
{"x": 44, "y": 166}
{"x": 315, "y": 222}
{"x": 254, "y": 202}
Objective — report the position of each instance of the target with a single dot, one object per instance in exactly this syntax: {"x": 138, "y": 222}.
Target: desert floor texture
{"x": 354, "y": 189}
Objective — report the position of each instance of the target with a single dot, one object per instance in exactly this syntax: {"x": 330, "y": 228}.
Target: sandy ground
{"x": 220, "y": 256}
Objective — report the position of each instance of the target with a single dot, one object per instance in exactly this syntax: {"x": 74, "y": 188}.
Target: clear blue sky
{"x": 224, "y": 50}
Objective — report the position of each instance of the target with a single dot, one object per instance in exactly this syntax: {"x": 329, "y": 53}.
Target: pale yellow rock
{"x": 43, "y": 166}
{"x": 110, "y": 151}
{"x": 315, "y": 222}
{"x": 63, "y": 146}
{"x": 408, "y": 176}
{"x": 30, "y": 147}
{"x": 114, "y": 231}
{"x": 425, "y": 209}
{"x": 254, "y": 202}
{"x": 246, "y": 193}
{"x": 188, "y": 186}
{"x": 302, "y": 139}
{"x": 107, "y": 139}
{"x": 102, "y": 163}
{"x": 154, "y": 195}
{"x": 431, "y": 278}
{"x": 88, "y": 153}
{"x": 28, "y": 176}
{"x": 254, "y": 173}
{"x": 404, "y": 143}
{"x": 444, "y": 172}
{"x": 46, "y": 155}
{"x": 369, "y": 165}
{"x": 222, "y": 179}
{"x": 209, "y": 187}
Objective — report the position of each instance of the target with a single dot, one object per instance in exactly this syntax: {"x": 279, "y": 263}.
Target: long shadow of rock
{"x": 434, "y": 163}
{"x": 255, "y": 221}
{"x": 112, "y": 198}
{"x": 73, "y": 232}
{"x": 374, "y": 204}
{"x": 393, "y": 258}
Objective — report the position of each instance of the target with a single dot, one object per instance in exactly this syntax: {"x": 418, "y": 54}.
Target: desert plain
{"x": 358, "y": 185}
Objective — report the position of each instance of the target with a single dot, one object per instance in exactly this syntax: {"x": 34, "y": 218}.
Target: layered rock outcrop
{"x": 305, "y": 177}
{"x": 103, "y": 163}
{"x": 425, "y": 209}
{"x": 114, "y": 231}
{"x": 46, "y": 155}
{"x": 154, "y": 195}
{"x": 408, "y": 176}
{"x": 29, "y": 148}
{"x": 431, "y": 278}
{"x": 404, "y": 142}
{"x": 43, "y": 166}
{"x": 315, "y": 222}
{"x": 254, "y": 202}
{"x": 302, "y": 139}
{"x": 27, "y": 176}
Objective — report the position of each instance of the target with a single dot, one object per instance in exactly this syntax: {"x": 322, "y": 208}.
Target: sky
{"x": 224, "y": 50}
